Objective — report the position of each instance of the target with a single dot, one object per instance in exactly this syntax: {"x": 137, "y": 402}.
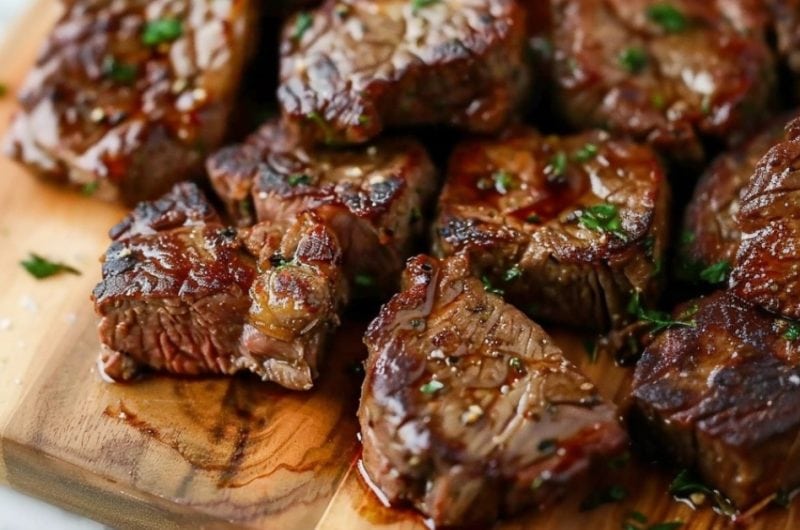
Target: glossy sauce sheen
{"x": 517, "y": 202}
{"x": 106, "y": 110}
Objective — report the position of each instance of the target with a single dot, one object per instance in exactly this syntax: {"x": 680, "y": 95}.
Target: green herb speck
{"x": 633, "y": 59}
{"x": 40, "y": 267}
{"x": 161, "y": 31}
{"x": 667, "y": 16}
{"x": 431, "y": 387}
{"x": 302, "y": 23}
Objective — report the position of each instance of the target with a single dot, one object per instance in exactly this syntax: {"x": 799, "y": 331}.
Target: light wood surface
{"x": 208, "y": 453}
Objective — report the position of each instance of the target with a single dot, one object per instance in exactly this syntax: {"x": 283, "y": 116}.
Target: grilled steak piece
{"x": 567, "y": 227}
{"x": 469, "y": 411}
{"x": 371, "y": 196}
{"x": 183, "y": 294}
{"x": 767, "y": 267}
{"x": 354, "y": 67}
{"x": 724, "y": 396}
{"x": 711, "y": 236}
{"x": 126, "y": 96}
{"x": 669, "y": 73}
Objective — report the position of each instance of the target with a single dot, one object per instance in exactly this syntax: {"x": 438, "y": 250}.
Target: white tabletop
{"x": 17, "y": 511}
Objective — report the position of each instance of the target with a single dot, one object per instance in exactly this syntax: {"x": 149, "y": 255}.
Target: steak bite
{"x": 674, "y": 74}
{"x": 469, "y": 411}
{"x": 371, "y": 196}
{"x": 711, "y": 235}
{"x": 567, "y": 227}
{"x": 351, "y": 68}
{"x": 183, "y": 294}
{"x": 767, "y": 267}
{"x": 126, "y": 96}
{"x": 724, "y": 396}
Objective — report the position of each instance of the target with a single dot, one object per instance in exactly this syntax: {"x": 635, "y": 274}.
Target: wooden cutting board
{"x": 208, "y": 453}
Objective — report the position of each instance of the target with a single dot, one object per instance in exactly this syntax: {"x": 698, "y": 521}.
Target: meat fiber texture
{"x": 568, "y": 228}
{"x": 126, "y": 98}
{"x": 469, "y": 411}
{"x": 352, "y": 68}
{"x": 183, "y": 294}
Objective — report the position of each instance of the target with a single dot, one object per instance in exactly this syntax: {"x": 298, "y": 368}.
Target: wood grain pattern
{"x": 211, "y": 453}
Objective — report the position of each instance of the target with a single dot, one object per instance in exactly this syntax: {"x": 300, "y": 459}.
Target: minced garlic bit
{"x": 471, "y": 415}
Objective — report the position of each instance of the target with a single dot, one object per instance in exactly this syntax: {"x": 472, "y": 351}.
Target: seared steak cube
{"x": 674, "y": 74}
{"x": 371, "y": 196}
{"x": 126, "y": 96}
{"x": 711, "y": 235}
{"x": 567, "y": 227}
{"x": 767, "y": 267}
{"x": 354, "y": 67}
{"x": 469, "y": 410}
{"x": 183, "y": 294}
{"x": 723, "y": 395}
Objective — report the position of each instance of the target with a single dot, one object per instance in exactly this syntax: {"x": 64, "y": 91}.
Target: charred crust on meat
{"x": 439, "y": 398}
{"x": 107, "y": 111}
{"x": 403, "y": 67}
{"x": 723, "y": 396}
{"x": 578, "y": 251}
{"x": 708, "y": 80}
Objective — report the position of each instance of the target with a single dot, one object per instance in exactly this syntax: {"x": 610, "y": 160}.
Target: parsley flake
{"x": 684, "y": 485}
{"x": 302, "y": 24}
{"x": 633, "y": 59}
{"x": 416, "y": 5}
{"x": 503, "y": 181}
{"x": 667, "y": 16}
{"x": 161, "y": 31}
{"x": 512, "y": 274}
{"x": 431, "y": 387}
{"x": 603, "y": 218}
{"x": 297, "y": 179}
{"x": 516, "y": 363}
{"x": 40, "y": 267}
{"x": 558, "y": 164}
{"x": 792, "y": 333}
{"x": 487, "y": 286}
{"x": 716, "y": 273}
{"x": 119, "y": 72}
{"x": 90, "y": 188}
{"x": 586, "y": 153}
{"x": 658, "y": 320}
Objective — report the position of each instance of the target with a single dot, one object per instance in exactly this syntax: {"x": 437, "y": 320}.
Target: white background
{"x": 18, "y": 512}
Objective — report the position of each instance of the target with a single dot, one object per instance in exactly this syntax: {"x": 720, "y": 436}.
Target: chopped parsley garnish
{"x": 320, "y": 122}
{"x": 716, "y": 273}
{"x": 302, "y": 24}
{"x": 364, "y": 280}
{"x": 278, "y": 261}
{"x": 586, "y": 153}
{"x": 533, "y": 218}
{"x": 516, "y": 363}
{"x": 503, "y": 181}
{"x": 40, "y": 267}
{"x": 599, "y": 497}
{"x": 591, "y": 350}
{"x": 90, "y": 188}
{"x": 658, "y": 320}
{"x": 633, "y": 59}
{"x": 667, "y": 16}
{"x": 636, "y": 521}
{"x": 416, "y": 5}
{"x": 161, "y": 31}
{"x": 782, "y": 498}
{"x": 603, "y": 218}
{"x": 547, "y": 446}
{"x": 119, "y": 72}
{"x": 297, "y": 179}
{"x": 658, "y": 101}
{"x": 431, "y": 387}
{"x": 558, "y": 164}
{"x": 792, "y": 333}
{"x": 512, "y": 274}
{"x": 685, "y": 485}
{"x": 487, "y": 286}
